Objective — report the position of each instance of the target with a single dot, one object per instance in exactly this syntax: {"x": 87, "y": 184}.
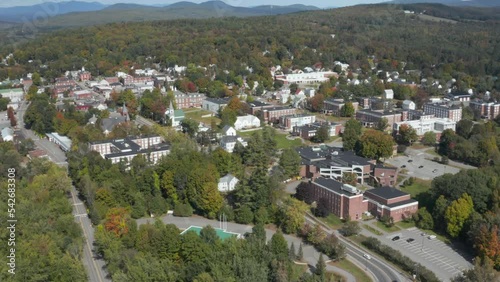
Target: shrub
{"x": 183, "y": 210}
{"x": 244, "y": 215}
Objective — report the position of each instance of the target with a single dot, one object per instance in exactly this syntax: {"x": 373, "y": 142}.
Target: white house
{"x": 228, "y": 131}
{"x": 388, "y": 94}
{"x": 7, "y": 134}
{"x": 248, "y": 121}
{"x": 227, "y": 183}
{"x": 228, "y": 143}
{"x": 408, "y": 105}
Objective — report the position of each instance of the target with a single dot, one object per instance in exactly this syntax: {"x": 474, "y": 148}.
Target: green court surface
{"x": 221, "y": 233}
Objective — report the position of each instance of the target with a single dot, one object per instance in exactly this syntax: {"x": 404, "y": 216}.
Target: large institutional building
{"x": 126, "y": 149}
{"x": 346, "y": 201}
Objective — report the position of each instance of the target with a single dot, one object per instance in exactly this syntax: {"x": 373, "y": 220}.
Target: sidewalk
{"x": 311, "y": 255}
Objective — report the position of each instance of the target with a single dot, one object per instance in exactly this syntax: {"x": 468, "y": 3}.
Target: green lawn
{"x": 417, "y": 187}
{"x": 282, "y": 142}
{"x": 196, "y": 114}
{"x": 332, "y": 220}
{"x": 350, "y": 267}
{"x": 371, "y": 229}
{"x": 382, "y": 226}
{"x": 405, "y": 225}
{"x": 432, "y": 151}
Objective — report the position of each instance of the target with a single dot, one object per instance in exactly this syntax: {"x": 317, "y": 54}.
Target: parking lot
{"x": 418, "y": 166}
{"x": 442, "y": 259}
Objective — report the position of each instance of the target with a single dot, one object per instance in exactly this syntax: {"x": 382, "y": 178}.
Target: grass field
{"x": 333, "y": 221}
{"x": 282, "y": 142}
{"x": 371, "y": 229}
{"x": 419, "y": 186}
{"x": 405, "y": 225}
{"x": 350, "y": 267}
{"x": 382, "y": 226}
{"x": 197, "y": 114}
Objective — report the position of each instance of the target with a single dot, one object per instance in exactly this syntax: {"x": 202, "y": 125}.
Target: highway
{"x": 94, "y": 266}
{"x": 380, "y": 270}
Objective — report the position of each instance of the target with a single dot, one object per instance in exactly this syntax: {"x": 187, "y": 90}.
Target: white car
{"x": 432, "y": 237}
{"x": 367, "y": 256}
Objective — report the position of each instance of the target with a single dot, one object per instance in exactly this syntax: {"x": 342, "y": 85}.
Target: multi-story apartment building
{"x": 370, "y": 118}
{"x": 289, "y": 122}
{"x": 444, "y": 110}
{"x": 188, "y": 100}
{"x": 273, "y": 114}
{"x": 118, "y": 150}
{"x": 484, "y": 109}
{"x": 334, "y": 106}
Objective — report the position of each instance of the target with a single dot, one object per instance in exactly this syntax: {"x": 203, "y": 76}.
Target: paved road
{"x": 310, "y": 254}
{"x": 379, "y": 269}
{"x": 95, "y": 267}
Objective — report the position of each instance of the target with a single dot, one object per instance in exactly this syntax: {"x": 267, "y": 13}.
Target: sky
{"x": 242, "y": 3}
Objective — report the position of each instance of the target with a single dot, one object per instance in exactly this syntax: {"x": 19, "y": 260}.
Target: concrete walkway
{"x": 311, "y": 256}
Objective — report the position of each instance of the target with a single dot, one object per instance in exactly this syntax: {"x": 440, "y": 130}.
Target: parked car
{"x": 410, "y": 161}
{"x": 432, "y": 237}
{"x": 396, "y": 238}
{"x": 403, "y": 166}
{"x": 434, "y": 170}
{"x": 409, "y": 240}
{"x": 421, "y": 166}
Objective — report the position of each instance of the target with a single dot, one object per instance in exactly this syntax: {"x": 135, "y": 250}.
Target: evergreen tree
{"x": 300, "y": 253}
{"x": 320, "y": 270}
{"x": 291, "y": 252}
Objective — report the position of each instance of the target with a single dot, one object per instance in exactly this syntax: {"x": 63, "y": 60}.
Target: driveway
{"x": 311, "y": 256}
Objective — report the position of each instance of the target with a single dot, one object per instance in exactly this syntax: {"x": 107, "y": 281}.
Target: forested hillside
{"x": 362, "y": 33}
{"x": 47, "y": 241}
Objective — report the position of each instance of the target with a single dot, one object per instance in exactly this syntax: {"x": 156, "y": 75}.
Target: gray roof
{"x": 227, "y": 178}
{"x": 386, "y": 192}
{"x": 259, "y": 104}
{"x": 327, "y": 156}
{"x": 332, "y": 185}
{"x": 107, "y": 124}
{"x": 220, "y": 101}
{"x": 229, "y": 139}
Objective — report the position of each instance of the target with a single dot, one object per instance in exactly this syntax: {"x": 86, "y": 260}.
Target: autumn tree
{"x": 117, "y": 221}
{"x": 350, "y": 178}
{"x": 292, "y": 215}
{"x": 457, "y": 213}
{"x": 407, "y": 134}
{"x": 317, "y": 102}
{"x": 375, "y": 144}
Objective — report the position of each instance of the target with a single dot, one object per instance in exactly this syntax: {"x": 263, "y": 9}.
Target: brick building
{"x": 289, "y": 122}
{"x": 444, "y": 110}
{"x": 346, "y": 201}
{"x": 392, "y": 202}
{"x": 370, "y": 118}
{"x": 189, "y": 100}
{"x": 257, "y": 106}
{"x": 273, "y": 114}
{"x": 484, "y": 109}
{"x": 334, "y": 106}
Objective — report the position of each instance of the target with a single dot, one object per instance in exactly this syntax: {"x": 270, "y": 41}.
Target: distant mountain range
{"x": 77, "y": 13}
{"x": 471, "y": 3}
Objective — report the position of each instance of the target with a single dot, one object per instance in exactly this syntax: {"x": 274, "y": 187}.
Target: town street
{"x": 94, "y": 266}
